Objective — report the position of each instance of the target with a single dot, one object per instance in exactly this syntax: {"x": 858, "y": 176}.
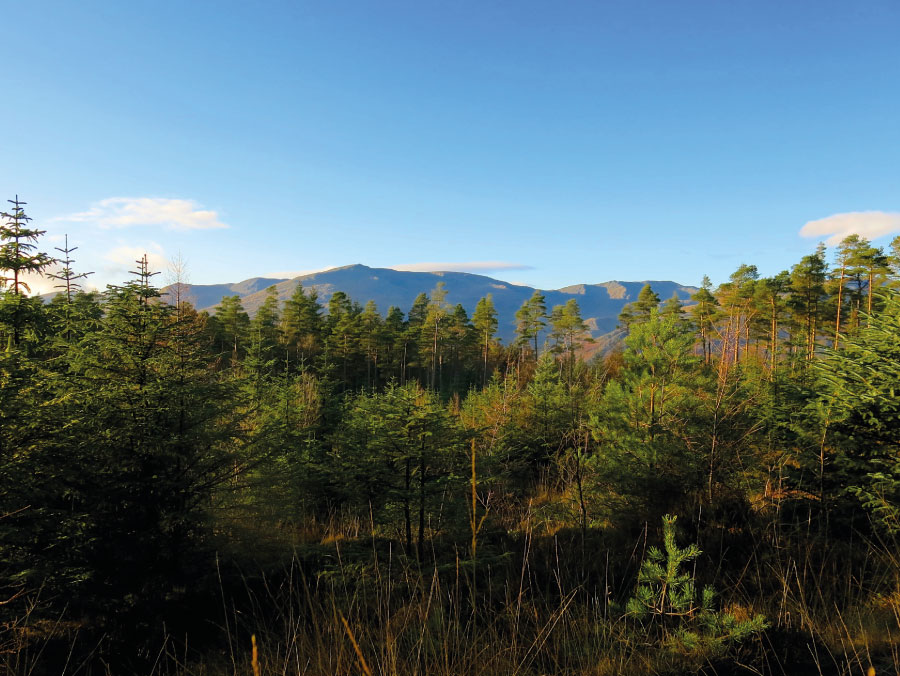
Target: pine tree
{"x": 371, "y": 330}
{"x": 771, "y": 296}
{"x": 876, "y": 268}
{"x": 413, "y": 339}
{"x": 806, "y": 297}
{"x": 862, "y": 267}
{"x": 530, "y": 321}
{"x": 893, "y": 261}
{"x": 433, "y": 332}
{"x": 549, "y": 417}
{"x": 569, "y": 331}
{"x": 736, "y": 299}
{"x": 460, "y": 339}
{"x": 640, "y": 310}
{"x": 667, "y": 603}
{"x": 644, "y": 458}
{"x": 847, "y": 265}
{"x": 485, "y": 321}
{"x": 704, "y": 313}
{"x": 672, "y": 307}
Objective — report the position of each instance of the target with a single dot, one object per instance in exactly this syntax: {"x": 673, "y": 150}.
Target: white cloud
{"x": 125, "y": 258}
{"x": 127, "y": 212}
{"x": 868, "y": 224}
{"x": 471, "y": 266}
{"x": 41, "y": 284}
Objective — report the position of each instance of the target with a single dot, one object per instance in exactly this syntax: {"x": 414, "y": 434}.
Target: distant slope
{"x": 600, "y": 303}
{"x": 209, "y": 295}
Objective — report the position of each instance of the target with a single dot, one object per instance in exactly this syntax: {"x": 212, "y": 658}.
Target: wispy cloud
{"x": 40, "y": 284}
{"x": 868, "y": 224}
{"x": 471, "y": 266}
{"x": 124, "y": 258}
{"x": 128, "y": 212}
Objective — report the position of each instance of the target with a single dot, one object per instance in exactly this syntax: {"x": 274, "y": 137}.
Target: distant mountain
{"x": 600, "y": 303}
{"x": 209, "y": 295}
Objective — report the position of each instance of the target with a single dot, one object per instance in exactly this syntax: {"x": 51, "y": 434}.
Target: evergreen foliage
{"x": 861, "y": 383}
{"x": 309, "y": 463}
{"x": 530, "y": 321}
{"x": 18, "y": 251}
{"x": 668, "y": 605}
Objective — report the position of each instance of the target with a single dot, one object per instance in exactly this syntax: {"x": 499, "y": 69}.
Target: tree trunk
{"x": 486, "y": 342}
{"x": 407, "y": 516}
{"x": 837, "y": 325}
{"x": 774, "y": 334}
{"x": 422, "y": 478}
{"x": 869, "y": 299}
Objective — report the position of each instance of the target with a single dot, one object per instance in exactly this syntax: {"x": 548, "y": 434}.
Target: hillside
{"x": 600, "y": 303}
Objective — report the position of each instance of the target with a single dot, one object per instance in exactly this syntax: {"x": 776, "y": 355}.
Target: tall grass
{"x": 346, "y": 601}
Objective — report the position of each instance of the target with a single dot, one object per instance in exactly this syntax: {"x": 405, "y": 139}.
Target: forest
{"x": 359, "y": 490}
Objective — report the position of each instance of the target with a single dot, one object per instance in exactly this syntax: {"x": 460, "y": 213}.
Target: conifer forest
{"x": 341, "y": 489}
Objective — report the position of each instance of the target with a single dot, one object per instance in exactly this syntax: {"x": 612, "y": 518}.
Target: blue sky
{"x": 544, "y": 143}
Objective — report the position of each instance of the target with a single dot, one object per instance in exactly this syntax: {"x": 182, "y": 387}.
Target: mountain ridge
{"x": 600, "y": 303}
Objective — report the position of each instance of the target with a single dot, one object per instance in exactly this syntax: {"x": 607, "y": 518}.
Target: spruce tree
{"x": 234, "y": 328}
{"x": 399, "y": 452}
{"x": 396, "y": 339}
{"x": 372, "y": 335}
{"x": 861, "y": 416}
{"x": 302, "y": 326}
{"x": 69, "y": 283}
{"x": 18, "y": 256}
{"x": 18, "y": 251}
{"x": 342, "y": 342}
{"x": 264, "y": 357}
{"x": 154, "y": 428}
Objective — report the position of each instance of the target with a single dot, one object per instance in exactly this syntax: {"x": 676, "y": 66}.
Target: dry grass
{"x": 377, "y": 612}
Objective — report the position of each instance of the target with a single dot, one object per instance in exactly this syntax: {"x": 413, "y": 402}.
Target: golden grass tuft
{"x": 254, "y": 655}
